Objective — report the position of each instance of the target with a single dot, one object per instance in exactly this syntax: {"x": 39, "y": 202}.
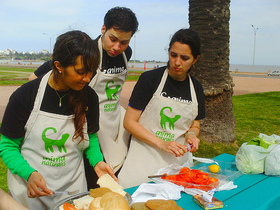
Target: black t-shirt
{"x": 21, "y": 104}
{"x": 110, "y": 65}
{"x": 149, "y": 81}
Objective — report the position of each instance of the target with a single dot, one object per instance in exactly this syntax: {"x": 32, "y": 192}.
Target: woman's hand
{"x": 102, "y": 168}
{"x": 36, "y": 186}
{"x": 191, "y": 135}
{"x": 193, "y": 141}
{"x": 173, "y": 147}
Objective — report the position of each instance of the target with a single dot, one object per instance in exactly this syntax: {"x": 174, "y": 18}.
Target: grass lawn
{"x": 19, "y": 76}
{"x": 14, "y": 76}
{"x": 254, "y": 113}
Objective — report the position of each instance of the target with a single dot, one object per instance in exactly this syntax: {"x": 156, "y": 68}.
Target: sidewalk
{"x": 243, "y": 85}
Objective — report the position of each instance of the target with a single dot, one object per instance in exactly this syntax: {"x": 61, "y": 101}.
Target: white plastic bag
{"x": 250, "y": 159}
{"x": 272, "y": 162}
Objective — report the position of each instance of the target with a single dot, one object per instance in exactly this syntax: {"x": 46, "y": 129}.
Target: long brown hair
{"x": 67, "y": 48}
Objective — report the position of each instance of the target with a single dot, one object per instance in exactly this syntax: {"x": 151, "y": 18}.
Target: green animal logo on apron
{"x": 111, "y": 93}
{"x": 165, "y": 119}
{"x": 51, "y": 142}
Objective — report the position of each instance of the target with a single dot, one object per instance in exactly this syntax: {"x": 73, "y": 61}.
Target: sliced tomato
{"x": 199, "y": 181}
{"x": 181, "y": 180}
{"x": 172, "y": 177}
{"x": 184, "y": 170}
{"x": 212, "y": 180}
{"x": 164, "y": 177}
{"x": 193, "y": 179}
{"x": 186, "y": 177}
{"x": 190, "y": 174}
{"x": 68, "y": 206}
{"x": 202, "y": 175}
{"x": 195, "y": 171}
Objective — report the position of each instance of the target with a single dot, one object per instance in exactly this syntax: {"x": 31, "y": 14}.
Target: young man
{"x": 120, "y": 24}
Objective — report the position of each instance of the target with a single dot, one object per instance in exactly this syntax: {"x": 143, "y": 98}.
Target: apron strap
{"x": 37, "y": 104}
{"x": 162, "y": 82}
{"x": 193, "y": 94}
{"x": 41, "y": 91}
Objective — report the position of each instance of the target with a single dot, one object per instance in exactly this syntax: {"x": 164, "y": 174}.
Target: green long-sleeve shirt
{"x": 11, "y": 155}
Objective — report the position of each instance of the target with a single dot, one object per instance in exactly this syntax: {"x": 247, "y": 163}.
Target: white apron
{"x": 169, "y": 120}
{"x": 112, "y": 136}
{"x": 49, "y": 148}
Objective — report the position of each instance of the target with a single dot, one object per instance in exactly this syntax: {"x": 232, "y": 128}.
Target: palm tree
{"x": 210, "y": 19}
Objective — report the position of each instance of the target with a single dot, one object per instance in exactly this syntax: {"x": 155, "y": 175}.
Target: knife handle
{"x": 156, "y": 176}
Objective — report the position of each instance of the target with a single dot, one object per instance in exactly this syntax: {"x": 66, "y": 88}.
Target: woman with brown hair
{"x": 164, "y": 113}
{"x": 50, "y": 122}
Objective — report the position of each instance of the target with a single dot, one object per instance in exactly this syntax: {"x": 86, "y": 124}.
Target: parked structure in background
{"x": 274, "y": 73}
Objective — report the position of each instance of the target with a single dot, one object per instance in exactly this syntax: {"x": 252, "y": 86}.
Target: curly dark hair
{"x": 121, "y": 18}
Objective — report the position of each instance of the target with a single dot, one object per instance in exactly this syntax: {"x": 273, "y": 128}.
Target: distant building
{"x": 45, "y": 52}
{"x": 9, "y": 52}
{"x": 6, "y": 52}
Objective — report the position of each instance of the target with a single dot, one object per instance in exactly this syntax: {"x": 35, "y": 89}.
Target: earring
{"x": 59, "y": 72}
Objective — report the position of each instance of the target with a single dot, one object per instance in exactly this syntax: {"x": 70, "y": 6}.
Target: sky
{"x": 34, "y": 24}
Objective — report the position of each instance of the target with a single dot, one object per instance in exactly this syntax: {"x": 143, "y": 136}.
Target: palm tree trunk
{"x": 210, "y": 19}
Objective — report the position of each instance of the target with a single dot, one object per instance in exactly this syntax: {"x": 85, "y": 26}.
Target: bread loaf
{"x": 109, "y": 201}
{"x": 169, "y": 207}
{"x": 83, "y": 202}
{"x": 99, "y": 192}
{"x": 95, "y": 204}
{"x": 153, "y": 204}
{"x": 139, "y": 206}
{"x": 107, "y": 181}
{"x": 159, "y": 204}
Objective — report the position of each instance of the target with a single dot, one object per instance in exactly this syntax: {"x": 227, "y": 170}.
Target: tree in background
{"x": 210, "y": 19}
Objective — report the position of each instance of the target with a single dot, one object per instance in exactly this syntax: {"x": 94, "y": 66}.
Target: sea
{"x": 150, "y": 65}
{"x": 233, "y": 67}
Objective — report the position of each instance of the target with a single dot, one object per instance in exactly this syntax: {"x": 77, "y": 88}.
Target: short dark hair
{"x": 189, "y": 37}
{"x": 121, "y": 18}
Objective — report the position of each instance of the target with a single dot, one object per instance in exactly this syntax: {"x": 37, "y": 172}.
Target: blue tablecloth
{"x": 252, "y": 192}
